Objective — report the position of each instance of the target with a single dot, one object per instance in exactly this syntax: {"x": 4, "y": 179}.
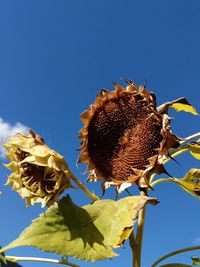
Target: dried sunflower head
{"x": 39, "y": 174}
{"x": 125, "y": 138}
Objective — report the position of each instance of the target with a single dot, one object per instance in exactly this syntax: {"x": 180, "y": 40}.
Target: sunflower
{"x": 39, "y": 174}
{"x": 125, "y": 138}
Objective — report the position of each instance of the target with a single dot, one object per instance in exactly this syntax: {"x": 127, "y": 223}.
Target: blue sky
{"x": 56, "y": 55}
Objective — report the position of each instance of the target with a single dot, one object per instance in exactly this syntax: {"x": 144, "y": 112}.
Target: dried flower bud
{"x": 125, "y": 138}
{"x": 39, "y": 174}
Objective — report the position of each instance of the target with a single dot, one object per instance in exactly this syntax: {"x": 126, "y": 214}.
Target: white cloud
{"x": 7, "y": 130}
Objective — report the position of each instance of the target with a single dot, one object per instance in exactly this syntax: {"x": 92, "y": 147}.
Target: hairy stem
{"x": 189, "y": 138}
{"x": 177, "y": 152}
{"x": 161, "y": 180}
{"x": 174, "y": 253}
{"x": 182, "y": 149}
{"x": 82, "y": 187}
{"x": 132, "y": 243}
{"x": 137, "y": 248}
{"x": 176, "y": 265}
{"x": 64, "y": 261}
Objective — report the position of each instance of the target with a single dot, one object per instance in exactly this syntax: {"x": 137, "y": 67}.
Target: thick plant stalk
{"x": 132, "y": 244}
{"x": 137, "y": 248}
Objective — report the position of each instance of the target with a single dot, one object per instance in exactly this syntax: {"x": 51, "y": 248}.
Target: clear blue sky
{"x": 56, "y": 55}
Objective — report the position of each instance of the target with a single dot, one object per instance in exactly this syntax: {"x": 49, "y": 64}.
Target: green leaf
{"x": 88, "y": 233}
{"x": 180, "y": 104}
{"x": 195, "y": 261}
{"x": 194, "y": 149}
{"x": 191, "y": 182}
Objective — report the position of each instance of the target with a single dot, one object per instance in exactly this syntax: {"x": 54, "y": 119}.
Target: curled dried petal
{"x": 39, "y": 174}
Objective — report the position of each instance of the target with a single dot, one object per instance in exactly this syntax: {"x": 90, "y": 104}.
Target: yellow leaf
{"x": 180, "y": 104}
{"x": 184, "y": 107}
{"x": 191, "y": 182}
{"x": 194, "y": 149}
{"x": 124, "y": 235}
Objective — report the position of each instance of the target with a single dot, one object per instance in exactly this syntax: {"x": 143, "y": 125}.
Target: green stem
{"x": 174, "y": 153}
{"x": 174, "y": 253}
{"x": 82, "y": 187}
{"x": 151, "y": 178}
{"x": 176, "y": 265}
{"x": 161, "y": 180}
{"x": 15, "y": 259}
{"x": 132, "y": 243}
{"x": 177, "y": 152}
{"x": 184, "y": 148}
{"x": 137, "y": 248}
{"x": 189, "y": 138}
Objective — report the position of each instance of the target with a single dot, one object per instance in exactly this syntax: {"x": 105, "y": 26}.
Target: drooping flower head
{"x": 39, "y": 174}
{"x": 125, "y": 138}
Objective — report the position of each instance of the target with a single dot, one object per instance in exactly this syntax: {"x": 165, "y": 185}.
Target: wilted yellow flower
{"x": 125, "y": 137}
{"x": 39, "y": 174}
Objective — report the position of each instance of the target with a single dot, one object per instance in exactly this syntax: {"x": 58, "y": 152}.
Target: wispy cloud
{"x": 7, "y": 130}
